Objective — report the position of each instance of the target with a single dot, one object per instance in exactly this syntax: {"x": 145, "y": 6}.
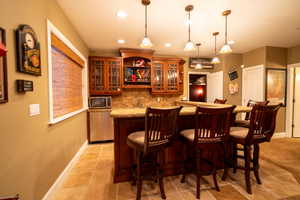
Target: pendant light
{"x": 146, "y": 42}
{"x": 198, "y": 65}
{"x": 215, "y": 59}
{"x": 226, "y": 48}
{"x": 189, "y": 45}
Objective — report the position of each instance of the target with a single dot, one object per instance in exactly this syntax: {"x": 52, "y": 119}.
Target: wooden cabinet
{"x": 105, "y": 75}
{"x": 167, "y": 75}
{"x": 136, "y": 68}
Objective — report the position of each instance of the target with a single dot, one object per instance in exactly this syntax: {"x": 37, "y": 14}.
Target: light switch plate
{"x": 34, "y": 109}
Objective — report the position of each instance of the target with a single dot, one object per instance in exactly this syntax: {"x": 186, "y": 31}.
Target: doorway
{"x": 253, "y": 86}
{"x": 197, "y": 87}
{"x": 296, "y": 104}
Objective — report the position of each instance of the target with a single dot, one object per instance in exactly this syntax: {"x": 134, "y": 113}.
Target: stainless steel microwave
{"x": 100, "y": 102}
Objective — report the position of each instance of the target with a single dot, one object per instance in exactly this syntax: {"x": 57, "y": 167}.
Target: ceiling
{"x": 252, "y": 24}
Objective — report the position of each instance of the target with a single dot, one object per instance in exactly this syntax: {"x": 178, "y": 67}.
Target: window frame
{"x": 51, "y": 29}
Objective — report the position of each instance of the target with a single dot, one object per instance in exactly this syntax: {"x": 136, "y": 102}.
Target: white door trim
{"x": 188, "y": 81}
{"x": 243, "y": 80}
{"x": 290, "y": 97}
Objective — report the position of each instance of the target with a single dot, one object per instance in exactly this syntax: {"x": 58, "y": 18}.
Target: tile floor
{"x": 91, "y": 178}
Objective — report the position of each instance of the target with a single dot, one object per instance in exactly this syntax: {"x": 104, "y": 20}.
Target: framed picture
{"x": 276, "y": 85}
{"x": 205, "y": 63}
{"x": 28, "y": 51}
{"x": 3, "y": 71}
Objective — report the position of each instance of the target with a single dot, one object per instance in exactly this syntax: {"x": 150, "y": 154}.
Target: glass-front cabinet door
{"x": 172, "y": 75}
{"x": 97, "y": 69}
{"x": 158, "y": 77}
{"x": 114, "y": 75}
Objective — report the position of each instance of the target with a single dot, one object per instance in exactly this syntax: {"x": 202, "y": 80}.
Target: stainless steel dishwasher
{"x": 100, "y": 125}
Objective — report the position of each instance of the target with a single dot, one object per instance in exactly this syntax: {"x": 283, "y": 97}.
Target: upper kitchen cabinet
{"x": 136, "y": 68}
{"x": 105, "y": 75}
{"x": 167, "y": 75}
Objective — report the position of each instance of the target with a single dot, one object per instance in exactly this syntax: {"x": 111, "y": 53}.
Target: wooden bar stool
{"x": 246, "y": 122}
{"x": 209, "y": 136}
{"x": 262, "y": 127}
{"x": 220, "y": 101}
{"x": 149, "y": 145}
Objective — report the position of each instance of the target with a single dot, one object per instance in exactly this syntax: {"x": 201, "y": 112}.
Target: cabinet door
{"x": 172, "y": 77}
{"x": 114, "y": 76}
{"x": 97, "y": 77}
{"x": 158, "y": 77}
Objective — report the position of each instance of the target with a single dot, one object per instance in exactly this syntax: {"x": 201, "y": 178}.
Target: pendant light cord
{"x": 226, "y": 29}
{"x": 146, "y": 24}
{"x": 189, "y": 26}
{"x": 215, "y": 45}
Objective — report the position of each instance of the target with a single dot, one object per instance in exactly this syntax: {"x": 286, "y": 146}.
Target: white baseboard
{"x": 280, "y": 135}
{"x": 65, "y": 172}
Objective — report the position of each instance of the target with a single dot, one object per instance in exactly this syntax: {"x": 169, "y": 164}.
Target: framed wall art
{"x": 3, "y": 68}
{"x": 28, "y": 51}
{"x": 276, "y": 85}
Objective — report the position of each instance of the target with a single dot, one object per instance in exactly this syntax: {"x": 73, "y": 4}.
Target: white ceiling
{"x": 252, "y": 24}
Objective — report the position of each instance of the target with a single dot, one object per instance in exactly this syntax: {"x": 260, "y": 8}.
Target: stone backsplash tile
{"x": 131, "y": 98}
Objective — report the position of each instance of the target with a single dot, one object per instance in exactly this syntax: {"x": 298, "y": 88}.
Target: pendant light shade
{"x": 226, "y": 48}
{"x": 189, "y": 45}
{"x": 215, "y": 59}
{"x": 146, "y": 42}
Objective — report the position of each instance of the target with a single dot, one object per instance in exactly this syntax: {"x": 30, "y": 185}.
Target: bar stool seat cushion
{"x": 241, "y": 133}
{"x": 242, "y": 123}
{"x": 189, "y": 134}
{"x": 136, "y": 140}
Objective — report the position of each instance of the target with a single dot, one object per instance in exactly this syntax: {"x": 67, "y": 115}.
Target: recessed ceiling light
{"x": 231, "y": 42}
{"x": 168, "y": 45}
{"x": 121, "y": 41}
{"x": 121, "y": 14}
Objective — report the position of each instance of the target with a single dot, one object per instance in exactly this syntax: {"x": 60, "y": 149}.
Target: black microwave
{"x": 100, "y": 102}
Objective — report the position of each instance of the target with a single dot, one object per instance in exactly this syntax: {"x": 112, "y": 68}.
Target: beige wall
{"x": 293, "y": 55}
{"x": 33, "y": 153}
{"x": 255, "y": 57}
{"x": 232, "y": 62}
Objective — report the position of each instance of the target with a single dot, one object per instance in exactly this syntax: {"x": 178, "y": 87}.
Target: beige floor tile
{"x": 92, "y": 178}
{"x": 228, "y": 193}
{"x": 74, "y": 193}
{"x": 77, "y": 179}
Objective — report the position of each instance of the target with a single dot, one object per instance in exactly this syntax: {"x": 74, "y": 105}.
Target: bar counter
{"x": 129, "y": 120}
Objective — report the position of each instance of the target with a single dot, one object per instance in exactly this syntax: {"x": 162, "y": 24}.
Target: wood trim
{"x": 63, "y": 48}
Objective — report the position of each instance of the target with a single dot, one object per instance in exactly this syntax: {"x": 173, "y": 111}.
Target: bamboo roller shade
{"x": 63, "y": 48}
{"x": 66, "y": 81}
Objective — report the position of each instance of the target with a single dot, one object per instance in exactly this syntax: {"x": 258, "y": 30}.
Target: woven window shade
{"x": 67, "y": 86}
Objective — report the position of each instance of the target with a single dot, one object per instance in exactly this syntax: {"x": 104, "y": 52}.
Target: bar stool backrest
{"x": 160, "y": 127}
{"x": 263, "y": 121}
{"x": 252, "y": 103}
{"x": 220, "y": 101}
{"x": 212, "y": 124}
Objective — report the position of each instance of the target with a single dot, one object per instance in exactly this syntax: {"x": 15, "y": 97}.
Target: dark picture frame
{"x": 3, "y": 70}
{"x": 28, "y": 51}
{"x": 276, "y": 83}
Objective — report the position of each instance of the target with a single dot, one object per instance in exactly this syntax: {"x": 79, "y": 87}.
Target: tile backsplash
{"x": 132, "y": 98}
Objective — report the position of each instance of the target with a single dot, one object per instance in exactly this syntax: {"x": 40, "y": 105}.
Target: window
{"x": 67, "y": 75}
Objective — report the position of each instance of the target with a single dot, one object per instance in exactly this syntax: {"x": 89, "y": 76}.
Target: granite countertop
{"x": 186, "y": 110}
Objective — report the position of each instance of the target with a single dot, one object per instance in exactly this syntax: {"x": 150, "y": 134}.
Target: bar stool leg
{"x": 234, "y": 157}
{"x": 215, "y": 170}
{"x": 160, "y": 174}
{"x": 198, "y": 159}
{"x": 256, "y": 162}
{"x": 224, "y": 145}
{"x": 184, "y": 163}
{"x": 247, "y": 155}
{"x": 139, "y": 176}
